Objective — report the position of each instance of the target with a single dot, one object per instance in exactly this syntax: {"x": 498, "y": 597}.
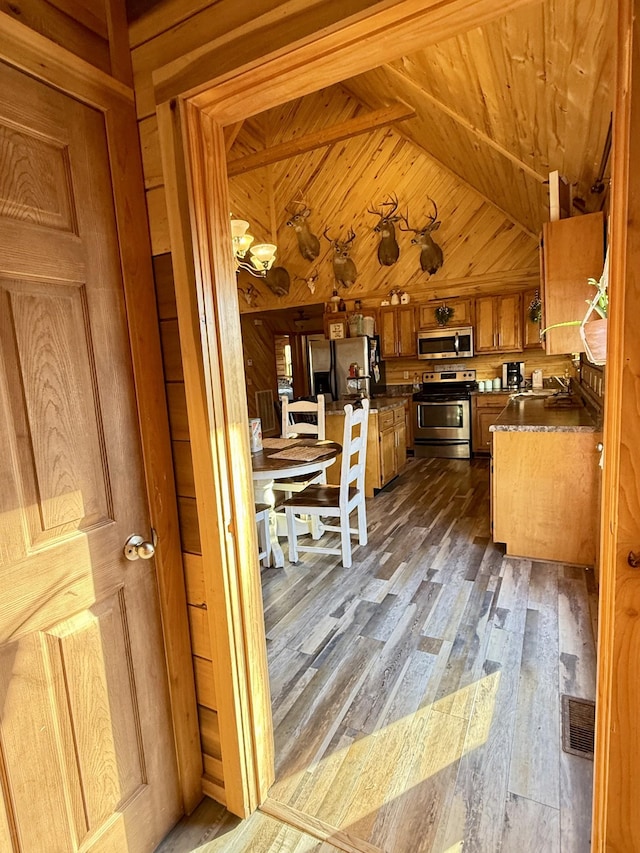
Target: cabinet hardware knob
{"x": 599, "y": 447}
{"x": 634, "y": 560}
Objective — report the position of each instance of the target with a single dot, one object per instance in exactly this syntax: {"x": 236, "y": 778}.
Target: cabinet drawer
{"x": 385, "y": 419}
{"x": 398, "y": 415}
{"x": 492, "y": 401}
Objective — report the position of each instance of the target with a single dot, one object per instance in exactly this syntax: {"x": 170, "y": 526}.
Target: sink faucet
{"x": 563, "y": 383}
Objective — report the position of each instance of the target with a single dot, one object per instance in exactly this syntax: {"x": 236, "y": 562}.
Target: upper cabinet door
{"x": 509, "y": 322}
{"x": 573, "y": 252}
{"x": 388, "y": 345}
{"x": 406, "y": 331}
{"x": 485, "y": 339}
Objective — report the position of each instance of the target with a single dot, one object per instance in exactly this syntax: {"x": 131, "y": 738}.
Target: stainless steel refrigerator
{"x": 330, "y": 367}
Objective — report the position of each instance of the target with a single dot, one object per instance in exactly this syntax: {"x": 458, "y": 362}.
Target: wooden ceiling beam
{"x": 318, "y": 139}
{"x": 479, "y": 134}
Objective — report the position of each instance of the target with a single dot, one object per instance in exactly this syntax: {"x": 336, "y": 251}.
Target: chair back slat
{"x": 303, "y": 407}
{"x": 354, "y": 443}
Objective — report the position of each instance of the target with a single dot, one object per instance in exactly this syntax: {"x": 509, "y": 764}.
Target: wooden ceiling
{"x": 497, "y": 108}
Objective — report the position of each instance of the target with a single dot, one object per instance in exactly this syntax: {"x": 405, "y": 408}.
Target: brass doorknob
{"x": 136, "y": 548}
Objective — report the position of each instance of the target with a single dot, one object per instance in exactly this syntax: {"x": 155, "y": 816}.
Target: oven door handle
{"x": 455, "y": 402}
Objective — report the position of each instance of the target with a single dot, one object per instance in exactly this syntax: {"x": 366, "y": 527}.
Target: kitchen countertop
{"x": 377, "y": 404}
{"x": 529, "y": 414}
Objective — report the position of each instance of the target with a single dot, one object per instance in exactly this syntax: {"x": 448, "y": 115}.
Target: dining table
{"x": 281, "y": 458}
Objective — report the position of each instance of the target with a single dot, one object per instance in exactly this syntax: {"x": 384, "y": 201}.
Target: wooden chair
{"x": 302, "y": 407}
{"x": 322, "y": 500}
{"x": 263, "y": 512}
{"x": 291, "y": 427}
{"x": 306, "y": 429}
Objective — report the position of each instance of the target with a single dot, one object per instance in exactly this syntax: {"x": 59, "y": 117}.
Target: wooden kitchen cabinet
{"x": 397, "y": 332}
{"x": 485, "y": 410}
{"x": 572, "y": 252}
{"x": 463, "y": 313}
{"x": 393, "y": 445}
{"x": 530, "y": 331}
{"x": 544, "y": 494}
{"x": 386, "y": 446}
{"x": 498, "y": 323}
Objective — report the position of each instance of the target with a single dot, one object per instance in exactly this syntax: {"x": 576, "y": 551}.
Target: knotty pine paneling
{"x": 341, "y": 182}
{"x": 259, "y": 359}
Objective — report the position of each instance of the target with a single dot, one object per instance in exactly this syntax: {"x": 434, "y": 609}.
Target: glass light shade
{"x": 263, "y": 255}
{"x": 238, "y": 228}
{"x": 241, "y": 244}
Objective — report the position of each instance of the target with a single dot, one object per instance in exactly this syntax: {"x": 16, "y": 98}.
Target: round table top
{"x": 265, "y": 466}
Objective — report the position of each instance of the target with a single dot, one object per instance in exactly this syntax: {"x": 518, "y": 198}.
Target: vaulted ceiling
{"x": 497, "y": 108}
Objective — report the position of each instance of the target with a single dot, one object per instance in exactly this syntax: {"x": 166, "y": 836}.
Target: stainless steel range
{"x": 442, "y": 414}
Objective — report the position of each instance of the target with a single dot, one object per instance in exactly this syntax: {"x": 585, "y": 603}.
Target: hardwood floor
{"x": 416, "y": 695}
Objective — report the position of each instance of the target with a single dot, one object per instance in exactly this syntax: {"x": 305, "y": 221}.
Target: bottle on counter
{"x": 497, "y": 383}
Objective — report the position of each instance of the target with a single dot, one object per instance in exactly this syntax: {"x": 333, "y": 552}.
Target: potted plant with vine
{"x": 593, "y": 326}
{"x": 443, "y": 313}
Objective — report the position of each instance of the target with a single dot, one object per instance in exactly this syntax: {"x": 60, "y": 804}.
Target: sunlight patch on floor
{"x": 411, "y": 750}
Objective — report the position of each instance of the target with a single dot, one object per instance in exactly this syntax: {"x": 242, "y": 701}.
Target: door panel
{"x": 86, "y": 747}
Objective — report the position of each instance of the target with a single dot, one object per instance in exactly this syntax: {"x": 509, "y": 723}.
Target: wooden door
{"x": 485, "y": 325}
{"x": 616, "y": 824}
{"x": 509, "y": 315}
{"x": 85, "y": 732}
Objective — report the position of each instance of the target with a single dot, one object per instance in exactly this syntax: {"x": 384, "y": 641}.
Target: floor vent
{"x": 578, "y": 726}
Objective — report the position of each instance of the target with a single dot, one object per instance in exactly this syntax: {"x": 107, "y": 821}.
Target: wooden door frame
{"x": 616, "y": 818}
{"x": 192, "y": 110}
{"x": 34, "y": 54}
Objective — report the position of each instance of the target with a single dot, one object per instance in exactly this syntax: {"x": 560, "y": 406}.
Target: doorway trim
{"x": 32, "y": 53}
{"x": 193, "y": 108}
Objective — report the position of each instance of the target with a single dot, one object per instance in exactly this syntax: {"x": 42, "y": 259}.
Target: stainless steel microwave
{"x": 446, "y": 343}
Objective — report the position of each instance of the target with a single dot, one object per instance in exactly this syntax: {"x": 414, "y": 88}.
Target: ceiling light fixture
{"x": 261, "y": 256}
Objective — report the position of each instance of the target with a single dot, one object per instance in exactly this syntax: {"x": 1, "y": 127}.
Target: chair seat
{"x": 296, "y": 480}
{"x": 319, "y": 496}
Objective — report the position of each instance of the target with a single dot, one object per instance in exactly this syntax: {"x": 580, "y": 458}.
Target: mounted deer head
{"x": 344, "y": 269}
{"x": 308, "y": 243}
{"x": 250, "y": 295}
{"x": 388, "y": 249}
{"x": 431, "y": 257}
{"x": 310, "y": 280}
{"x": 278, "y": 281}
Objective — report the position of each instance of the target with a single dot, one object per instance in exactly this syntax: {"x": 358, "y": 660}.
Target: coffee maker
{"x": 512, "y": 375}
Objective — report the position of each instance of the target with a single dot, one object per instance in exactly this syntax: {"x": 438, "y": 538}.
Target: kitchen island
{"x": 386, "y": 441}
{"x": 545, "y": 480}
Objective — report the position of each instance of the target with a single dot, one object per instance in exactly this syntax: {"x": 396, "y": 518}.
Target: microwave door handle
{"x": 456, "y": 344}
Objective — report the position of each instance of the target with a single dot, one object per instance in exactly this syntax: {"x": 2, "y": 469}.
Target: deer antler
{"x": 325, "y": 235}
{"x": 351, "y": 236}
{"x": 435, "y": 210}
{"x": 405, "y": 218}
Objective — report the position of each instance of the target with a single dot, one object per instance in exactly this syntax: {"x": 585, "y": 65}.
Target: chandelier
{"x": 261, "y": 256}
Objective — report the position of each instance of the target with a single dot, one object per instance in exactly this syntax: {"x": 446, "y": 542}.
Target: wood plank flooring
{"x": 416, "y": 696}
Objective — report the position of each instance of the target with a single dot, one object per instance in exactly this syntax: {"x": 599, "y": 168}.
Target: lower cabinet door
{"x": 387, "y": 456}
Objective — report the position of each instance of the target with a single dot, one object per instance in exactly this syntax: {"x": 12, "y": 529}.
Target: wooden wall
{"x": 93, "y": 31}
{"x": 198, "y": 607}
{"x": 342, "y": 181}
